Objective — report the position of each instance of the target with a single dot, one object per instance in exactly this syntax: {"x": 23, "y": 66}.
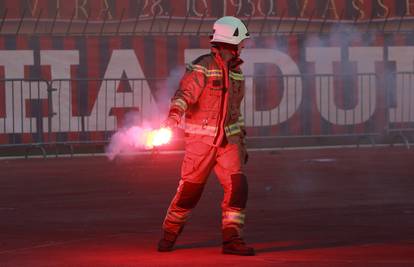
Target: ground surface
{"x": 337, "y": 207}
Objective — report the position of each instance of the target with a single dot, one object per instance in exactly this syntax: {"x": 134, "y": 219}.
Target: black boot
{"x": 237, "y": 247}
{"x": 234, "y": 244}
{"x": 166, "y": 243}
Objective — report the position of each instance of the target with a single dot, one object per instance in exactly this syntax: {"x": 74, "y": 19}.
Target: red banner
{"x": 295, "y": 85}
{"x": 130, "y": 9}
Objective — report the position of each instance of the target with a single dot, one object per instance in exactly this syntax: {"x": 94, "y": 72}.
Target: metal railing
{"x": 315, "y": 106}
{"x": 364, "y": 107}
{"x": 41, "y": 113}
{"x": 400, "y": 117}
{"x": 23, "y": 111}
{"x": 100, "y": 105}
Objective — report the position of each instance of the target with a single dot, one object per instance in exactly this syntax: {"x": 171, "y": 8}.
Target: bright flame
{"x": 129, "y": 139}
{"x": 158, "y": 137}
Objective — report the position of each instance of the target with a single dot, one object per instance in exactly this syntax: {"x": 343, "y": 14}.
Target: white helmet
{"x": 229, "y": 30}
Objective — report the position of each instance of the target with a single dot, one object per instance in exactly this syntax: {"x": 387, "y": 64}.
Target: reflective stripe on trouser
{"x": 198, "y": 162}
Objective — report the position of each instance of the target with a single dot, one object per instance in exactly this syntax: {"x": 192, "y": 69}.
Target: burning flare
{"x": 127, "y": 140}
{"x": 158, "y": 137}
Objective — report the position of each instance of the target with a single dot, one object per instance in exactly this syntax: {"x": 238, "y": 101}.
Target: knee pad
{"x": 239, "y": 191}
{"x": 190, "y": 195}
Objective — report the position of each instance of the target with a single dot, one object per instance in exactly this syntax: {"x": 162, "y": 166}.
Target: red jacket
{"x": 210, "y": 95}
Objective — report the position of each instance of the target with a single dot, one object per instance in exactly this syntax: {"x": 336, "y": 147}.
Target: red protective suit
{"x": 210, "y": 95}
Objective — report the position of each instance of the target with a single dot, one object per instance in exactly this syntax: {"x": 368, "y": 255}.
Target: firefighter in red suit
{"x": 209, "y": 97}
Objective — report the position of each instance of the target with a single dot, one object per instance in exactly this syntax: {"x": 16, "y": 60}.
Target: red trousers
{"x": 199, "y": 160}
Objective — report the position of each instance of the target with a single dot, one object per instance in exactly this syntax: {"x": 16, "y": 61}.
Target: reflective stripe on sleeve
{"x": 236, "y": 76}
{"x": 241, "y": 121}
{"x": 181, "y": 103}
{"x": 232, "y": 129}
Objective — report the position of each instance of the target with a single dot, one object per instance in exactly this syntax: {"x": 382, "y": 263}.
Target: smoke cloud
{"x": 132, "y": 136}
{"x": 165, "y": 89}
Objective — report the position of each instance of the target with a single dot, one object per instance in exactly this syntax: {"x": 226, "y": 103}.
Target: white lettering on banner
{"x": 60, "y": 63}
{"x": 122, "y": 61}
{"x": 17, "y": 92}
{"x": 365, "y": 57}
{"x": 292, "y": 87}
{"x": 292, "y": 93}
{"x": 324, "y": 58}
{"x": 404, "y": 93}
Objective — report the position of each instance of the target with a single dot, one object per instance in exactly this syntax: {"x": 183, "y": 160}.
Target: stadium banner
{"x": 130, "y": 9}
{"x": 296, "y": 85}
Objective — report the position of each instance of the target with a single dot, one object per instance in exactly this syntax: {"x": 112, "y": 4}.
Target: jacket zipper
{"x": 222, "y": 102}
